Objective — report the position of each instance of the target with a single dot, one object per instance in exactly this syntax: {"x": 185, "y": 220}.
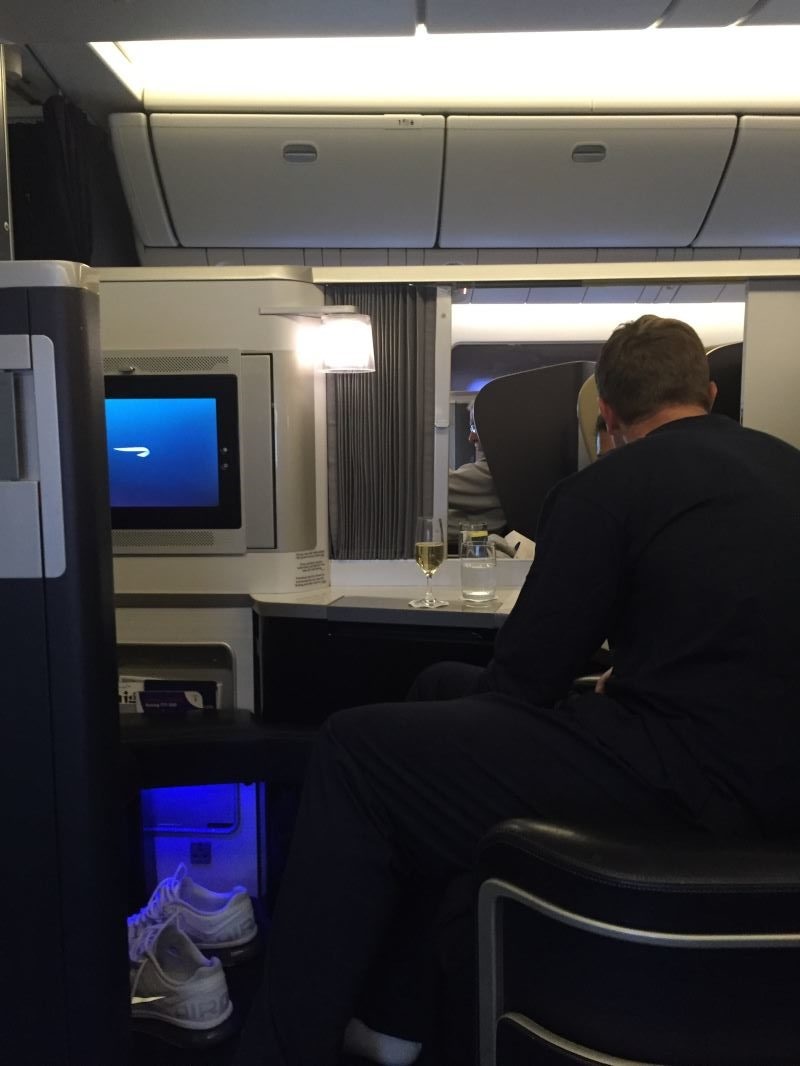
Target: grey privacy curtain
{"x": 380, "y": 427}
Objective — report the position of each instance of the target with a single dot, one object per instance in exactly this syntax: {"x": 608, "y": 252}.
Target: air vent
{"x": 175, "y": 538}
{"x": 166, "y": 364}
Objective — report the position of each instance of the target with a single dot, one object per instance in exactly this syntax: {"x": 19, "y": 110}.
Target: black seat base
{"x": 684, "y": 952}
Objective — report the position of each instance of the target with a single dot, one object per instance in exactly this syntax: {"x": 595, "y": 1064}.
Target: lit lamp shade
{"x": 345, "y": 344}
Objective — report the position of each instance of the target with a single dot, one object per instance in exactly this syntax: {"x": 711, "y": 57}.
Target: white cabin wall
{"x": 771, "y": 368}
{"x": 138, "y": 309}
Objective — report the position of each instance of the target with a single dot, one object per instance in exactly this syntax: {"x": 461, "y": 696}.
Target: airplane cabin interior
{"x": 324, "y": 258}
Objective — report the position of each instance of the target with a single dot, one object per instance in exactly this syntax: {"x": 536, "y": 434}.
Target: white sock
{"x": 385, "y": 1050}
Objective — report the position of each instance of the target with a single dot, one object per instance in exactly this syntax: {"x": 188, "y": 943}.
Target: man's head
{"x": 650, "y": 366}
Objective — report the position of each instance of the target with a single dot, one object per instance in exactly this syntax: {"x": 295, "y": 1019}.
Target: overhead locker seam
{"x": 718, "y": 187}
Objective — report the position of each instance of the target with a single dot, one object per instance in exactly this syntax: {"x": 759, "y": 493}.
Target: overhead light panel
{"x": 732, "y": 67}
{"x": 720, "y": 322}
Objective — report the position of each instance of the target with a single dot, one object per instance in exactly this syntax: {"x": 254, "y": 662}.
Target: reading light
{"x": 345, "y": 344}
{"x": 335, "y": 339}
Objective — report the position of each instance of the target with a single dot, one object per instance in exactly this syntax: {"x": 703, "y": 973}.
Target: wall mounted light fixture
{"x": 345, "y": 344}
{"x": 336, "y": 339}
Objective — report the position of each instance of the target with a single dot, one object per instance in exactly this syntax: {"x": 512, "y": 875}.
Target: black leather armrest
{"x": 691, "y": 883}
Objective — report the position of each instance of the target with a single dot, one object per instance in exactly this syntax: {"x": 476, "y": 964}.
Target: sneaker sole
{"x": 176, "y": 1036}
{"x": 233, "y": 954}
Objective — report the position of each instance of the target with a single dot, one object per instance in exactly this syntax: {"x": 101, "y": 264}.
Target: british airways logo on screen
{"x": 182, "y": 468}
{"x": 138, "y": 450}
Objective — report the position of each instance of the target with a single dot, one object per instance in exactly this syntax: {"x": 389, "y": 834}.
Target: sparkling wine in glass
{"x": 429, "y": 551}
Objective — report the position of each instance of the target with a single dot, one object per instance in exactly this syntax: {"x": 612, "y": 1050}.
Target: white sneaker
{"x": 171, "y": 981}
{"x": 218, "y": 923}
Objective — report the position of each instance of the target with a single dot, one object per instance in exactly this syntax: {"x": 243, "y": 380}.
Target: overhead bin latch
{"x": 300, "y": 153}
{"x": 589, "y": 153}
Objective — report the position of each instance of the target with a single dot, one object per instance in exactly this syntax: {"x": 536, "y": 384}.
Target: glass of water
{"x": 478, "y": 571}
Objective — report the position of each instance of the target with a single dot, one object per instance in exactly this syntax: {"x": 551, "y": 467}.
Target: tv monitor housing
{"x": 173, "y": 440}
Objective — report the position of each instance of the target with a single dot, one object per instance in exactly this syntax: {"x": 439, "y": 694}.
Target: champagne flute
{"x": 429, "y": 552}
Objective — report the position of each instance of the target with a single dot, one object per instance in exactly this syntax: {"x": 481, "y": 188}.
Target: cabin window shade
{"x": 380, "y": 445}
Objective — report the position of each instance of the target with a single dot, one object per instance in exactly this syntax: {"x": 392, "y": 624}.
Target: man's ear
{"x": 712, "y": 394}
{"x": 613, "y": 424}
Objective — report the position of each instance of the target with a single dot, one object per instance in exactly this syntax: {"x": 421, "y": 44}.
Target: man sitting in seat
{"x": 682, "y": 548}
{"x": 471, "y": 494}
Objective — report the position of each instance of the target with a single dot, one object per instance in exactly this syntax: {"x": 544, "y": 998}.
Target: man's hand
{"x": 600, "y": 685}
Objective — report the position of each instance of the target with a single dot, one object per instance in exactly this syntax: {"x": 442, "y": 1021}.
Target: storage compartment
{"x": 203, "y": 668}
{"x": 293, "y": 180}
{"x": 214, "y": 830}
{"x": 757, "y": 202}
{"x": 575, "y": 181}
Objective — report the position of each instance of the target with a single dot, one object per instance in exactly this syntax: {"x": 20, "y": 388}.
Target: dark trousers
{"x": 375, "y": 899}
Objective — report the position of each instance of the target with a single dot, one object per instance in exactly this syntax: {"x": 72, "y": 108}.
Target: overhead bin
{"x": 758, "y": 202}
{"x": 580, "y": 181}
{"x": 130, "y": 139}
{"x": 272, "y": 181}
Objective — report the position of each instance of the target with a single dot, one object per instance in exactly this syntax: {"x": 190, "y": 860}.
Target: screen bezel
{"x": 223, "y": 388}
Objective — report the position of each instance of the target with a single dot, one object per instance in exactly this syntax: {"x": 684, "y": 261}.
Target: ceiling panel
{"x": 613, "y": 294}
{"x": 83, "y": 76}
{"x": 567, "y": 255}
{"x": 733, "y": 293}
{"x": 775, "y": 13}
{"x": 500, "y": 295}
{"x": 504, "y": 255}
{"x": 557, "y": 294}
{"x": 516, "y": 16}
{"x": 651, "y": 294}
{"x": 685, "y": 13}
{"x": 140, "y": 20}
{"x": 699, "y": 294}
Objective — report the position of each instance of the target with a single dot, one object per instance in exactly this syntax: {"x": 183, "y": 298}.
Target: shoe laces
{"x": 141, "y": 940}
{"x": 152, "y": 916}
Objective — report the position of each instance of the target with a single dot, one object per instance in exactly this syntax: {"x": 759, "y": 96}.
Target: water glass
{"x": 472, "y": 531}
{"x": 478, "y": 571}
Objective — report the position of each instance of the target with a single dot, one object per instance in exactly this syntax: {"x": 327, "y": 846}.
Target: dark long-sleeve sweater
{"x": 683, "y": 549}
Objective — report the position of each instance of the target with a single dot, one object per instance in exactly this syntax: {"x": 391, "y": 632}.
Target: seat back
{"x": 725, "y": 367}
{"x": 528, "y": 426}
{"x": 587, "y": 417}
